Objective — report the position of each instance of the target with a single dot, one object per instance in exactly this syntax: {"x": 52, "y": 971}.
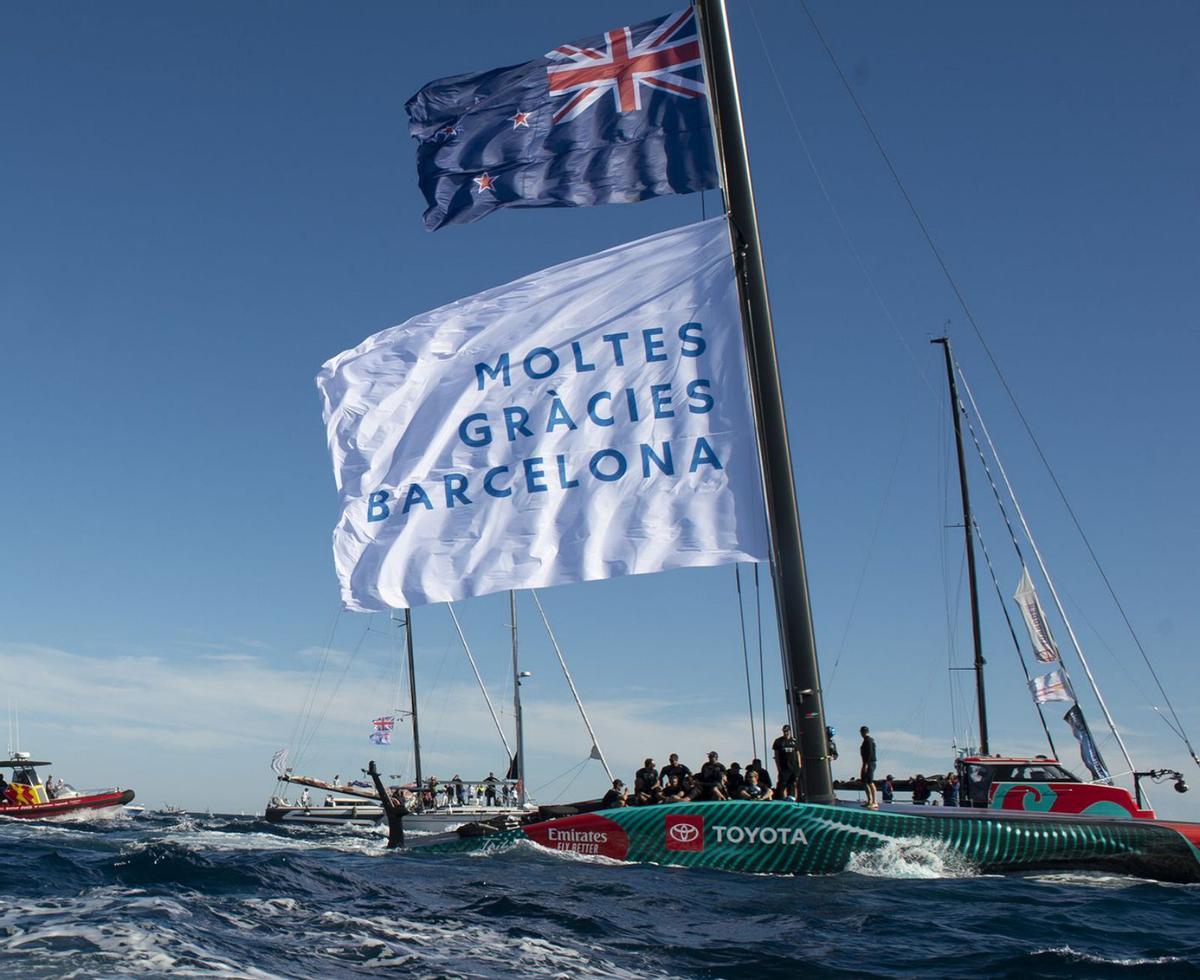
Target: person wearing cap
{"x": 712, "y": 778}
{"x": 866, "y": 752}
{"x": 787, "y": 764}
{"x": 617, "y": 796}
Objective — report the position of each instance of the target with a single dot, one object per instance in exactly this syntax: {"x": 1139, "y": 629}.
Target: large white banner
{"x": 587, "y": 421}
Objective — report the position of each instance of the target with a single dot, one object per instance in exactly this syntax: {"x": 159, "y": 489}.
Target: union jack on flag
{"x": 611, "y": 119}
{"x": 385, "y": 723}
{"x": 659, "y": 62}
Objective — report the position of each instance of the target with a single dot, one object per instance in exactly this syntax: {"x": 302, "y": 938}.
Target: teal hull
{"x": 799, "y": 838}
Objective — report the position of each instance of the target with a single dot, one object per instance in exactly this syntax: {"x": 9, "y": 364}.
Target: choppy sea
{"x": 233, "y": 896}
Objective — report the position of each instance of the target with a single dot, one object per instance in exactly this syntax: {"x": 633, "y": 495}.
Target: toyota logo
{"x": 683, "y": 833}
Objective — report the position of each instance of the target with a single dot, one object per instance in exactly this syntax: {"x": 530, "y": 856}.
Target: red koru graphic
{"x": 684, "y": 832}
{"x": 583, "y": 834}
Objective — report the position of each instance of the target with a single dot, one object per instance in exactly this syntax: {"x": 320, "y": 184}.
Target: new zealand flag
{"x": 610, "y": 120}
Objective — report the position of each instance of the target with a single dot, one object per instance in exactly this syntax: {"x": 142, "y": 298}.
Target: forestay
{"x": 588, "y": 421}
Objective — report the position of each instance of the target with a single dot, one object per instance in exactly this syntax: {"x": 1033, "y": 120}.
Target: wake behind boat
{"x": 23, "y": 794}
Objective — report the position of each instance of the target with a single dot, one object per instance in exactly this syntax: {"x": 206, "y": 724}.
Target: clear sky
{"x": 201, "y": 203}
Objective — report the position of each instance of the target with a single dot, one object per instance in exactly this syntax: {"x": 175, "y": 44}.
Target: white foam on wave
{"x": 105, "y": 933}
{"x": 443, "y": 947}
{"x": 1079, "y": 956}
{"x": 1098, "y": 879}
{"x": 911, "y": 858}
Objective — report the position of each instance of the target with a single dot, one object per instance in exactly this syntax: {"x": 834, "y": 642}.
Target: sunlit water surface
{"x": 199, "y": 896}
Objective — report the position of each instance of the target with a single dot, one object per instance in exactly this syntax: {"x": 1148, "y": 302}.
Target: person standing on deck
{"x": 787, "y": 765}
{"x": 866, "y": 752}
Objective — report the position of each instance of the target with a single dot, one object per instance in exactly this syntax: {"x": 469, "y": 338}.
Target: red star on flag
{"x": 484, "y": 182}
{"x": 520, "y": 119}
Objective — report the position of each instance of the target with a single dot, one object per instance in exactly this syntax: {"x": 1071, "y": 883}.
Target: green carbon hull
{"x": 799, "y": 838}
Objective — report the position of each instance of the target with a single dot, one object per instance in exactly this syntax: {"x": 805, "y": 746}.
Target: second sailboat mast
{"x": 969, "y": 534}
{"x": 516, "y": 664}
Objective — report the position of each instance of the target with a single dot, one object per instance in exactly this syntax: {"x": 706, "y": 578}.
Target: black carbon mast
{"x": 801, "y": 671}
{"x": 969, "y": 535}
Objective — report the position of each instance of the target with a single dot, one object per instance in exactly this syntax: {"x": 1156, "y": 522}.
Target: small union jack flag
{"x": 384, "y": 724}
{"x": 609, "y": 120}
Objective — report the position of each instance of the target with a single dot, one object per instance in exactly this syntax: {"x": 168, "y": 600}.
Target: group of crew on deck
{"x": 675, "y": 782}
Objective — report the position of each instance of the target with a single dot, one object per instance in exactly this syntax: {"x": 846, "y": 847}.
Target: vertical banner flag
{"x": 1044, "y": 647}
{"x": 1053, "y": 686}
{"x": 585, "y": 422}
{"x": 382, "y": 730}
{"x": 1087, "y": 745}
{"x": 279, "y": 762}
{"x": 609, "y": 120}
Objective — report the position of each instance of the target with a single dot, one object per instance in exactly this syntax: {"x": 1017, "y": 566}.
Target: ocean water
{"x": 234, "y": 896}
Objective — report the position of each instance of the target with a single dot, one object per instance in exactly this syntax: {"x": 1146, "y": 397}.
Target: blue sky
{"x": 202, "y": 203}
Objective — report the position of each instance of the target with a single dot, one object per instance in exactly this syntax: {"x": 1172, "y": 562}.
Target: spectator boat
{"x": 358, "y": 805}
{"x": 26, "y": 797}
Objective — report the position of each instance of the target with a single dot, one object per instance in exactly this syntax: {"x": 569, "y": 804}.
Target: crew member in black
{"x": 734, "y": 780}
{"x": 764, "y": 778}
{"x": 3, "y": 790}
{"x": 674, "y": 791}
{"x": 645, "y": 784}
{"x": 787, "y": 764}
{"x": 712, "y": 777}
{"x": 674, "y": 768}
{"x": 617, "y": 796}
{"x": 489, "y": 788}
{"x": 867, "y": 774}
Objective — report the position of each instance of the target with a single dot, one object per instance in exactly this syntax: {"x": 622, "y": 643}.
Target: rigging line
{"x": 566, "y": 772}
{"x": 1021, "y": 558}
{"x": 737, "y": 576}
{"x": 570, "y": 782}
{"x": 887, "y": 493}
{"x": 562, "y": 662}
{"x": 812, "y": 165}
{"x": 304, "y": 715}
{"x": 962, "y": 302}
{"x": 1045, "y": 573}
{"x": 762, "y": 684}
{"x": 482, "y": 686}
{"x": 1120, "y": 664}
{"x": 332, "y": 696}
{"x": 987, "y": 558}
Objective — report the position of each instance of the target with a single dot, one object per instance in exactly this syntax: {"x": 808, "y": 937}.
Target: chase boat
{"x": 25, "y": 796}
